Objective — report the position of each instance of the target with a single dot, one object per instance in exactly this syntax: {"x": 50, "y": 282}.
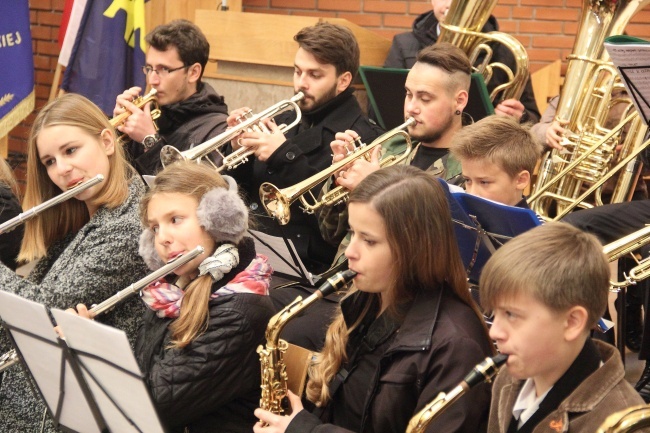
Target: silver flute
{"x": 8, "y": 226}
{"x": 10, "y": 358}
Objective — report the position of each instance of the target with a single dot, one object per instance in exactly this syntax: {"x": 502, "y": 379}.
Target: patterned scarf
{"x": 165, "y": 298}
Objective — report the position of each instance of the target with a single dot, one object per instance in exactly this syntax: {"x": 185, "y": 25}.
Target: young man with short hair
{"x": 191, "y": 111}
{"x": 325, "y": 64}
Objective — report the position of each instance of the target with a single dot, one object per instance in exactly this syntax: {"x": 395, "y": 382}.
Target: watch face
{"x": 149, "y": 141}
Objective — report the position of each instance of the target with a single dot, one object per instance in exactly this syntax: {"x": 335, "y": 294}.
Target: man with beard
{"x": 437, "y": 88}
{"x": 426, "y": 30}
{"x": 191, "y": 111}
{"x": 325, "y": 65}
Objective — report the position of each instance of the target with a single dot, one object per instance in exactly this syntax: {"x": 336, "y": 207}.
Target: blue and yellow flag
{"x": 108, "y": 53}
{"x": 16, "y": 65}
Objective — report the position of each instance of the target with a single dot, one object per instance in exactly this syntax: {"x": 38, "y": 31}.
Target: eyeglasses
{"x": 162, "y": 71}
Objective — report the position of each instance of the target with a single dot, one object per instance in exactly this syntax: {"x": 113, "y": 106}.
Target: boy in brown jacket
{"x": 547, "y": 288}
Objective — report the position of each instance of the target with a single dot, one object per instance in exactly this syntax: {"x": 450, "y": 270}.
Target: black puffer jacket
{"x": 213, "y": 384}
{"x": 425, "y": 27}
{"x": 183, "y": 125}
{"x": 305, "y": 152}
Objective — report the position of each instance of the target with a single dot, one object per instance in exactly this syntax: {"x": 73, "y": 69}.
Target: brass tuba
{"x": 589, "y": 92}
{"x": 248, "y": 122}
{"x": 627, "y": 420}
{"x": 277, "y": 202}
{"x": 462, "y": 28}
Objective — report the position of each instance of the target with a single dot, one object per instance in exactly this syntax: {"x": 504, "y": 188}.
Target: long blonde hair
{"x": 192, "y": 180}
{"x": 414, "y": 208}
{"x": 67, "y": 217}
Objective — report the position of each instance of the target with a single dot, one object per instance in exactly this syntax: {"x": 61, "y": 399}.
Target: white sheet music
{"x": 632, "y": 57}
{"x": 122, "y": 396}
{"x": 276, "y": 251}
{"x": 44, "y": 360}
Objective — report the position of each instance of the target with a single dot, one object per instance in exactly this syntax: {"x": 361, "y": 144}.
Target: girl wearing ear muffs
{"x": 197, "y": 346}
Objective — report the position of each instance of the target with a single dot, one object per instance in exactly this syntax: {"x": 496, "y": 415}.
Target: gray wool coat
{"x": 85, "y": 267}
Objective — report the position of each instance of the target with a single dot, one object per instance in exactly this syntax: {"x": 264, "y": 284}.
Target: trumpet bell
{"x": 275, "y": 202}
{"x": 169, "y": 155}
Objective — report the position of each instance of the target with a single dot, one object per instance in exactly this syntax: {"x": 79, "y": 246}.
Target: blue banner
{"x": 108, "y": 53}
{"x": 16, "y": 65}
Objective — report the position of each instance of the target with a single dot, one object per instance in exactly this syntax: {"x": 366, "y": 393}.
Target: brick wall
{"x": 545, "y": 27}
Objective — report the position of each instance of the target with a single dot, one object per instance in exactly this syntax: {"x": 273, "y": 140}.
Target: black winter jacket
{"x": 439, "y": 341}
{"x": 305, "y": 152}
{"x": 183, "y": 125}
{"x": 405, "y": 47}
{"x": 10, "y": 241}
{"x": 213, "y": 384}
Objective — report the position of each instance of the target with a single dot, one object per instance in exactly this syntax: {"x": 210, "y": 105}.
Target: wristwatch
{"x": 150, "y": 141}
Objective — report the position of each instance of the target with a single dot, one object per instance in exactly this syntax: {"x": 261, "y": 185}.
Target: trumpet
{"x": 247, "y": 122}
{"x": 10, "y": 358}
{"x": 8, "y": 226}
{"x": 277, "y": 202}
{"x": 484, "y": 371}
{"x": 621, "y": 247}
{"x": 140, "y": 102}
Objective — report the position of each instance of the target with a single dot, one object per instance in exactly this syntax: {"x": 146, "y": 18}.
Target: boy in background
{"x": 547, "y": 288}
{"x": 497, "y": 156}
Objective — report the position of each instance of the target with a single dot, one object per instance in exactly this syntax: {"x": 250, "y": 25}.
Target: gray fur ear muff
{"x": 223, "y": 214}
{"x": 147, "y": 250}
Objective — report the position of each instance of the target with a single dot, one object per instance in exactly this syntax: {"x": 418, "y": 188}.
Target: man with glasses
{"x": 191, "y": 111}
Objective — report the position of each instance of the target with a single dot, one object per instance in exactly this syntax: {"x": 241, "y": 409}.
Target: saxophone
{"x": 627, "y": 420}
{"x": 274, "y": 374}
{"x": 484, "y": 371}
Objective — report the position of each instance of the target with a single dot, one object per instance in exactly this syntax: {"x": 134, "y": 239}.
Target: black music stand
{"x": 386, "y": 93}
{"x": 90, "y": 382}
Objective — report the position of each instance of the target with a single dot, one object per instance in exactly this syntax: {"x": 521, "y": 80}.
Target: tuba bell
{"x": 277, "y": 202}
{"x": 462, "y": 28}
{"x": 591, "y": 147}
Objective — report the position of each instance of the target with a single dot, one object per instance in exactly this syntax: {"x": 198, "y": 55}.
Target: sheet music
{"x": 632, "y": 58}
{"x": 275, "y": 249}
{"x": 44, "y": 358}
{"x": 120, "y": 393}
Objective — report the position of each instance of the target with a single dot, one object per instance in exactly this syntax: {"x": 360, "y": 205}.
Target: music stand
{"x": 386, "y": 93}
{"x": 90, "y": 382}
{"x": 283, "y": 256}
{"x": 482, "y": 226}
